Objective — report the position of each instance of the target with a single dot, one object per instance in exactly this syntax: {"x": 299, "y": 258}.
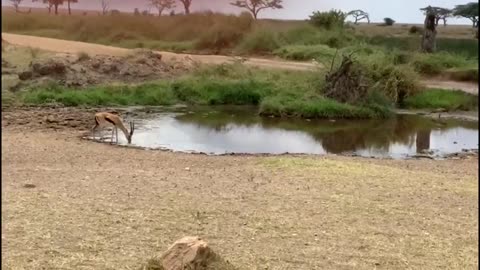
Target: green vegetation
{"x": 442, "y": 99}
{"x": 277, "y": 93}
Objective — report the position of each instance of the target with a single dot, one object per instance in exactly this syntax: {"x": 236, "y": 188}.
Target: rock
{"x": 187, "y": 253}
{"x": 26, "y": 75}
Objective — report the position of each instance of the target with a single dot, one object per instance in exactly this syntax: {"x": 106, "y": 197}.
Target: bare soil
{"x": 74, "y": 204}
{"x": 75, "y": 47}
{"x": 83, "y": 70}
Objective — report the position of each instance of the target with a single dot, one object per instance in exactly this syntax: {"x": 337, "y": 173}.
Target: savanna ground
{"x": 68, "y": 203}
{"x": 97, "y": 206}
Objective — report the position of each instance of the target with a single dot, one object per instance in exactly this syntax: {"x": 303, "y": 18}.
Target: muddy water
{"x": 240, "y": 130}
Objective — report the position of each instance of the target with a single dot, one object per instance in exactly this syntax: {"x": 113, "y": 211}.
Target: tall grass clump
{"x": 442, "y": 99}
{"x": 435, "y": 63}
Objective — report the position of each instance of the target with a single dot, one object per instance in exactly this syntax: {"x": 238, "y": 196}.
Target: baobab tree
{"x": 255, "y": 6}
{"x": 186, "y": 5}
{"x": 161, "y": 5}
{"x": 439, "y": 12}
{"x": 430, "y": 33}
{"x": 359, "y": 15}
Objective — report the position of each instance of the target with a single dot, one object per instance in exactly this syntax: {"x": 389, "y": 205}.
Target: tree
{"x": 389, "y": 21}
{"x": 469, "y": 11}
{"x": 429, "y": 33}
{"x": 186, "y": 5}
{"x": 255, "y": 6}
{"x": 439, "y": 12}
{"x": 53, "y": 3}
{"x": 136, "y": 12}
{"x": 16, "y": 4}
{"x": 105, "y": 5}
{"x": 359, "y": 15}
{"x": 161, "y": 5}
{"x": 68, "y": 3}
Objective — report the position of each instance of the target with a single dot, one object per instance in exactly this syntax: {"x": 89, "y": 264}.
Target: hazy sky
{"x": 402, "y": 11}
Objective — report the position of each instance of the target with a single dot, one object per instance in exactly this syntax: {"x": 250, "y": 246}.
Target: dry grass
{"x": 101, "y": 207}
{"x": 400, "y": 30}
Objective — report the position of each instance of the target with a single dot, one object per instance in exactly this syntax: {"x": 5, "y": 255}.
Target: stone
{"x": 190, "y": 252}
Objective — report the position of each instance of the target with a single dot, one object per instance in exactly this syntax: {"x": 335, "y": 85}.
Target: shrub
{"x": 328, "y": 20}
{"x": 415, "y": 30}
{"x": 434, "y": 64}
{"x": 388, "y": 21}
{"x": 444, "y": 99}
{"x": 219, "y": 37}
{"x": 306, "y": 52}
{"x": 259, "y": 41}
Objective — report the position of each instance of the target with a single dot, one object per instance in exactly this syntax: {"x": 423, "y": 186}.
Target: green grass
{"x": 275, "y": 93}
{"x": 442, "y": 99}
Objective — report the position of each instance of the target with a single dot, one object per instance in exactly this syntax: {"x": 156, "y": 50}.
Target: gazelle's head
{"x": 132, "y": 129}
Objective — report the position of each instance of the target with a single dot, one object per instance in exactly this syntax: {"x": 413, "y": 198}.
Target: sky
{"x": 402, "y": 11}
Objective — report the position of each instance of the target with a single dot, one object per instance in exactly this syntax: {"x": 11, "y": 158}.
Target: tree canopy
{"x": 439, "y": 12}
{"x": 359, "y": 15}
{"x": 469, "y": 11}
{"x": 255, "y": 6}
{"x": 162, "y": 5}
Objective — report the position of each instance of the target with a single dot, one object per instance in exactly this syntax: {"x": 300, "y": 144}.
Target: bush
{"x": 388, "y": 21}
{"x": 442, "y": 99}
{"x": 434, "y": 64}
{"x": 259, "y": 42}
{"x": 305, "y": 52}
{"x": 415, "y": 30}
{"x": 219, "y": 37}
{"x": 328, "y": 20}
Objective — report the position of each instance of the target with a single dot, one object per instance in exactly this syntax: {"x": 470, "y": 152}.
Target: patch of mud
{"x": 83, "y": 70}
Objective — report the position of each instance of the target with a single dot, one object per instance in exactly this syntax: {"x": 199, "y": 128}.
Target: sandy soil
{"x": 74, "y": 47}
{"x": 74, "y": 204}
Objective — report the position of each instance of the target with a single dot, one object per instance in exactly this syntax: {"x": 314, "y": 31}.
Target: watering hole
{"x": 224, "y": 130}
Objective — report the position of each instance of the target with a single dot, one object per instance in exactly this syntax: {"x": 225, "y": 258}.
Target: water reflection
{"x": 240, "y": 130}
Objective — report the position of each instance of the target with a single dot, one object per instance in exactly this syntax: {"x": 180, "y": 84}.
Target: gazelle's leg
{"x": 111, "y": 139}
{"x": 93, "y": 131}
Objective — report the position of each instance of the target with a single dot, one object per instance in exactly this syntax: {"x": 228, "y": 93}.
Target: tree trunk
{"x": 255, "y": 14}
{"x": 160, "y": 11}
{"x": 437, "y": 19}
{"x": 422, "y": 141}
{"x": 69, "y": 10}
{"x": 187, "y": 9}
{"x": 429, "y": 34}
{"x": 444, "y": 22}
{"x": 56, "y": 9}
{"x": 356, "y": 20}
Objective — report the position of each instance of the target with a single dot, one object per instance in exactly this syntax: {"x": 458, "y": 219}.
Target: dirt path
{"x": 65, "y": 46}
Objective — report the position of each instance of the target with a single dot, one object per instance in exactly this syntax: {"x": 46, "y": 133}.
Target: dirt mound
{"x": 84, "y": 70}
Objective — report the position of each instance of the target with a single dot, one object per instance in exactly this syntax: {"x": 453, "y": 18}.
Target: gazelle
{"x": 102, "y": 118}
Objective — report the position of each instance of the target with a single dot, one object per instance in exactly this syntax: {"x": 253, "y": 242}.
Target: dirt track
{"x": 66, "y": 46}
{"x": 97, "y": 206}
